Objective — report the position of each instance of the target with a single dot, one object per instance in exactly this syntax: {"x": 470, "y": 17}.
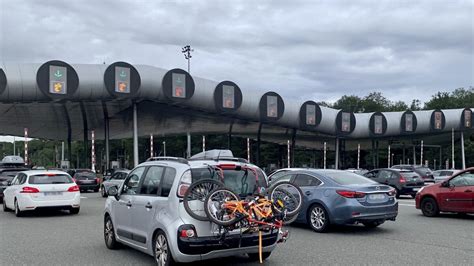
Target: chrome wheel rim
{"x": 102, "y": 191}
{"x": 109, "y": 232}
{"x": 161, "y": 250}
{"x": 318, "y": 218}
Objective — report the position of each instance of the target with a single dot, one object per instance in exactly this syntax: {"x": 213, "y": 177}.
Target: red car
{"x": 456, "y": 194}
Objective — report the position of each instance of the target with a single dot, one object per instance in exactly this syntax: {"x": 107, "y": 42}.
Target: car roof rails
{"x": 167, "y": 158}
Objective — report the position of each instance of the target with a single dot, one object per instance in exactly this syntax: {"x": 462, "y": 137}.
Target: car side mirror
{"x": 113, "y": 191}
{"x": 9, "y": 183}
{"x": 445, "y": 184}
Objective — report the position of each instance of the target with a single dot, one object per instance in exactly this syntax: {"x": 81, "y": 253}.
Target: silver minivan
{"x": 147, "y": 212}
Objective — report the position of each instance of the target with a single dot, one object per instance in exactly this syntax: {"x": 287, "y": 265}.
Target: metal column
{"x": 414, "y": 154}
{"x": 229, "y": 139}
{"x": 292, "y": 148}
{"x": 106, "y": 136}
{"x": 452, "y": 148}
{"x": 135, "y": 134}
{"x": 336, "y": 164}
{"x": 463, "y": 157}
{"x": 258, "y": 143}
{"x": 86, "y": 134}
{"x": 188, "y": 145}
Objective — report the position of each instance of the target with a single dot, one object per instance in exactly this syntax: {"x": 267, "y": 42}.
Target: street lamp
{"x": 186, "y": 50}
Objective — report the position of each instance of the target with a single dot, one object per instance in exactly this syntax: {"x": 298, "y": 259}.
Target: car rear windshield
{"x": 408, "y": 174}
{"x": 241, "y": 181}
{"x": 424, "y": 170}
{"x": 346, "y": 178}
{"x": 84, "y": 175}
{"x": 50, "y": 179}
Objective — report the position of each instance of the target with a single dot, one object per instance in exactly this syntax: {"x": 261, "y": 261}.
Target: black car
{"x": 405, "y": 182}
{"x": 87, "y": 180}
{"x": 422, "y": 171}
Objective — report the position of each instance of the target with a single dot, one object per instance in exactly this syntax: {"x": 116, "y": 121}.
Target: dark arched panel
{"x": 466, "y": 119}
{"x": 227, "y": 97}
{"x": 57, "y": 79}
{"x": 121, "y": 79}
{"x": 438, "y": 120}
{"x": 377, "y": 124}
{"x": 271, "y": 106}
{"x": 345, "y": 122}
{"x": 408, "y": 123}
{"x": 310, "y": 115}
{"x": 178, "y": 85}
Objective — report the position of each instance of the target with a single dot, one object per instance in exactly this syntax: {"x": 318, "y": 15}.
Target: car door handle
{"x": 148, "y": 206}
{"x": 468, "y": 190}
{"x": 129, "y": 204}
{"x": 307, "y": 193}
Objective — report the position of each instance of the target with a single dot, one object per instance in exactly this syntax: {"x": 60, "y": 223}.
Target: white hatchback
{"x": 41, "y": 189}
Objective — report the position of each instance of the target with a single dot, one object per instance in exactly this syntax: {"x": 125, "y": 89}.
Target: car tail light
{"x": 350, "y": 194}
{"x": 74, "y": 188}
{"x": 187, "y": 231}
{"x": 227, "y": 166}
{"x": 402, "y": 179}
{"x": 29, "y": 190}
{"x": 97, "y": 180}
{"x": 184, "y": 183}
{"x": 392, "y": 192}
{"x": 50, "y": 174}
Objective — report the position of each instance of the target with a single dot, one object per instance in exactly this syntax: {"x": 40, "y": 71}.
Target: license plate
{"x": 376, "y": 196}
{"x": 53, "y": 193}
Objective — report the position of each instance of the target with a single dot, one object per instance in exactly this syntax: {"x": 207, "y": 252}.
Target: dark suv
{"x": 87, "y": 180}
{"x": 9, "y": 167}
{"x": 405, "y": 182}
{"x": 422, "y": 171}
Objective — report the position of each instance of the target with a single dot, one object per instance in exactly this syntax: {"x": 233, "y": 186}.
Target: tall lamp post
{"x": 186, "y": 50}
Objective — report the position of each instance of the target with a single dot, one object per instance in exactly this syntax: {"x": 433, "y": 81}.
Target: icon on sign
{"x": 122, "y": 86}
{"x": 58, "y": 87}
{"x": 179, "y": 92}
{"x": 58, "y": 74}
{"x": 123, "y": 74}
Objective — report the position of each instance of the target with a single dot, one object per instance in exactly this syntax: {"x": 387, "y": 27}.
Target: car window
{"x": 279, "y": 174}
{"x": 48, "y": 179}
{"x": 286, "y": 177}
{"x": 463, "y": 180}
{"x": 346, "y": 178}
{"x": 437, "y": 173}
{"x": 384, "y": 174}
{"x": 371, "y": 174}
{"x": 22, "y": 179}
{"x": 304, "y": 180}
{"x": 167, "y": 182}
{"x": 152, "y": 180}
{"x": 132, "y": 181}
{"x": 116, "y": 176}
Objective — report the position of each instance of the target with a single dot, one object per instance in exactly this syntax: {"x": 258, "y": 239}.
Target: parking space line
{"x": 83, "y": 197}
{"x": 409, "y": 205}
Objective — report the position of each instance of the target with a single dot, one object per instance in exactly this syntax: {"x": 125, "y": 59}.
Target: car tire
{"x": 161, "y": 250}
{"x": 373, "y": 224}
{"x": 429, "y": 207}
{"x": 18, "y": 212}
{"x": 74, "y": 210}
{"x": 256, "y": 257}
{"x": 318, "y": 218}
{"x": 397, "y": 193}
{"x": 5, "y": 208}
{"x": 103, "y": 192}
{"x": 96, "y": 190}
{"x": 109, "y": 234}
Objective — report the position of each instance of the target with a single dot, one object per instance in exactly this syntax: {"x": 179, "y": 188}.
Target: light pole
{"x": 186, "y": 50}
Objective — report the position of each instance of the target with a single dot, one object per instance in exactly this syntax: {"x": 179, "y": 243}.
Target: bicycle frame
{"x": 262, "y": 210}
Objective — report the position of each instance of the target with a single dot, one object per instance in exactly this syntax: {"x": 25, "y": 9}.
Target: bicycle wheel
{"x": 289, "y": 195}
{"x": 215, "y": 210}
{"x": 195, "y": 197}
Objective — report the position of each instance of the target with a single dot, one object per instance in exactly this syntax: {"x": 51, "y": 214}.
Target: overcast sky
{"x": 316, "y": 50}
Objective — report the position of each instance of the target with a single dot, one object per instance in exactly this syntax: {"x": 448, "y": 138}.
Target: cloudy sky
{"x": 324, "y": 49}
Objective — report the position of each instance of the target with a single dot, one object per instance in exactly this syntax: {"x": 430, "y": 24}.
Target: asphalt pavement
{"x": 57, "y": 238}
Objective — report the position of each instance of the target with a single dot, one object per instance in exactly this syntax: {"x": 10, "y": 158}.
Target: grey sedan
{"x": 116, "y": 179}
{"x": 341, "y": 197}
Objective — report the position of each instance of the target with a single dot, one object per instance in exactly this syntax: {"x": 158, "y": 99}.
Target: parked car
{"x": 116, "y": 179}
{"x": 87, "y": 181}
{"x": 424, "y": 172}
{"x": 441, "y": 175}
{"x": 147, "y": 211}
{"x": 357, "y": 171}
{"x": 283, "y": 172}
{"x": 9, "y": 167}
{"x": 341, "y": 197}
{"x": 456, "y": 194}
{"x": 405, "y": 182}
{"x": 41, "y": 189}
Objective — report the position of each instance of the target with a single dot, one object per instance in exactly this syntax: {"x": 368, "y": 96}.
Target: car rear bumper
{"x": 353, "y": 214}
{"x": 88, "y": 186}
{"x": 203, "y": 248}
{"x": 26, "y": 203}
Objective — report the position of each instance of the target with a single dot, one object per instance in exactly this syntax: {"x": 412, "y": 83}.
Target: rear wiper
{"x": 58, "y": 182}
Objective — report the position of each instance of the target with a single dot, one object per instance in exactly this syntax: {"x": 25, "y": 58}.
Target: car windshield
{"x": 408, "y": 174}
{"x": 8, "y": 175}
{"x": 50, "y": 179}
{"x": 346, "y": 178}
{"x": 424, "y": 170}
{"x": 242, "y": 181}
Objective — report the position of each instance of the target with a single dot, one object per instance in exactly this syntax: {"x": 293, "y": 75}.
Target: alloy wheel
{"x": 161, "y": 250}
{"x": 109, "y": 232}
{"x": 318, "y": 217}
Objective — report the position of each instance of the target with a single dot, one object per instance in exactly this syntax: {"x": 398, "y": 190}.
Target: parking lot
{"x": 57, "y": 238}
